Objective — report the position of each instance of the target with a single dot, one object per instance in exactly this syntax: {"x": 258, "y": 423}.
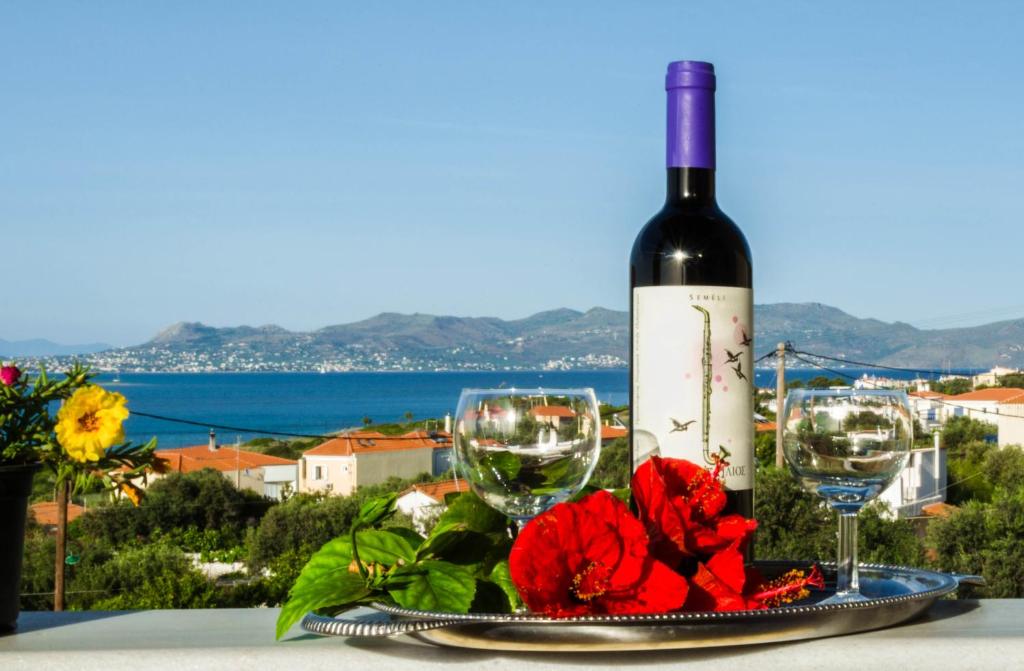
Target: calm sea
{"x": 312, "y": 403}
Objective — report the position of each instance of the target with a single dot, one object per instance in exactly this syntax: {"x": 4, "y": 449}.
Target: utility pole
{"x": 61, "y": 550}
{"x": 780, "y": 401}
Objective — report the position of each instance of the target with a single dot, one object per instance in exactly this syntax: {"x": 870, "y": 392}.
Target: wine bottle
{"x": 691, "y": 307}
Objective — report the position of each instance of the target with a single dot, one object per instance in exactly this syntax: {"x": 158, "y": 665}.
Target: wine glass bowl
{"x": 524, "y": 450}
{"x": 847, "y": 446}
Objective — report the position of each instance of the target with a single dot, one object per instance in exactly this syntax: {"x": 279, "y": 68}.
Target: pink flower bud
{"x": 9, "y": 375}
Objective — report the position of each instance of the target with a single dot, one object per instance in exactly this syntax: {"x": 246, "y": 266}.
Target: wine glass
{"x": 847, "y": 446}
{"x": 524, "y": 450}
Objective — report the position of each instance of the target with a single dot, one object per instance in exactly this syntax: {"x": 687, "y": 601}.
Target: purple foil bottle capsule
{"x": 691, "y": 115}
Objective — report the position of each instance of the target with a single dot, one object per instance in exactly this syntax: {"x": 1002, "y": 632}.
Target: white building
{"x": 423, "y": 503}
{"x": 922, "y": 482}
{"x": 1011, "y": 423}
{"x": 982, "y": 404}
{"x": 991, "y": 378}
{"x": 928, "y": 407}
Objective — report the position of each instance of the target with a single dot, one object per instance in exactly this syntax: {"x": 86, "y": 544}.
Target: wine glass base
{"x": 843, "y": 597}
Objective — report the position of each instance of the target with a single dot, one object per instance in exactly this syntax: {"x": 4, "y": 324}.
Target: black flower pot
{"x": 15, "y": 487}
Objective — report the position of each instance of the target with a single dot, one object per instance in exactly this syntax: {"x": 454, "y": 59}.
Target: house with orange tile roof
{"x": 610, "y": 433}
{"x": 424, "y": 502}
{"x": 264, "y": 474}
{"x": 983, "y": 404}
{"x": 360, "y": 458}
{"x": 552, "y": 414}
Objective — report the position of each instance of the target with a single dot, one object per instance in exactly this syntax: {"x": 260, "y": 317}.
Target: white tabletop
{"x": 953, "y": 635}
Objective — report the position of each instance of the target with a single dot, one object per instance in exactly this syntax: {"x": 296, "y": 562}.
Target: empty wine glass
{"x": 847, "y": 446}
{"x": 524, "y": 450}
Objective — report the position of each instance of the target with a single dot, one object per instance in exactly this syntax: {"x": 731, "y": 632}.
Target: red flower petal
{"x": 591, "y": 557}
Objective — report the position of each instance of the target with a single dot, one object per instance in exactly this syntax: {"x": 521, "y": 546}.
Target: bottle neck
{"x": 693, "y": 186}
{"x": 690, "y": 137}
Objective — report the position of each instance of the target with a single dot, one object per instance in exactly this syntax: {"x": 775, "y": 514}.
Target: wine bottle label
{"x": 693, "y": 392}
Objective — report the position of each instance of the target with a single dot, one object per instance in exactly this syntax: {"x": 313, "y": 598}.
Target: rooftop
{"x": 997, "y": 394}
{"x": 552, "y": 411}
{"x": 198, "y": 457}
{"x": 362, "y": 442}
{"x": 438, "y": 490}
{"x": 612, "y": 432}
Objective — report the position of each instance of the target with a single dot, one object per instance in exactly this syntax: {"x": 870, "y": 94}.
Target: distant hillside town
{"x": 560, "y": 339}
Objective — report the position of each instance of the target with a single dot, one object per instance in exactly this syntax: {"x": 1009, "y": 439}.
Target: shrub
{"x": 985, "y": 538}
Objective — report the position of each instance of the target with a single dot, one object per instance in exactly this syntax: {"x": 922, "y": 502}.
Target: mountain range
{"x": 41, "y": 347}
{"x": 562, "y": 338}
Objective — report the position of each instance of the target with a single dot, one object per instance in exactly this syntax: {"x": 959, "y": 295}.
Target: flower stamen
{"x": 89, "y": 422}
{"x": 590, "y": 583}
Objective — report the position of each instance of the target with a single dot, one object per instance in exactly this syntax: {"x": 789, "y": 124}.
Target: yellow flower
{"x": 91, "y": 421}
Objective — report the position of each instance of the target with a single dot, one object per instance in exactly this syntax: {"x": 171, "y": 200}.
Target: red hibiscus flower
{"x": 724, "y": 583}
{"x": 681, "y": 503}
{"x": 591, "y": 557}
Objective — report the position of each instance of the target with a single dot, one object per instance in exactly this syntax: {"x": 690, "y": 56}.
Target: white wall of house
{"x": 985, "y": 411}
{"x": 922, "y": 482}
{"x": 327, "y": 473}
{"x": 278, "y": 479}
{"x": 419, "y": 507}
{"x": 929, "y": 413}
{"x": 1011, "y": 424}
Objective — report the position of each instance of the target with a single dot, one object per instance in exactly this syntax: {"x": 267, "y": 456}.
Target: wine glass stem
{"x": 847, "y": 581}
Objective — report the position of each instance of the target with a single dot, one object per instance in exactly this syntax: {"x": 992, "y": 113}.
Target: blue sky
{"x": 316, "y": 164}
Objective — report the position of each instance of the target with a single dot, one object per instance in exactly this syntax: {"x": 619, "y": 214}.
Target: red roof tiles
{"x": 438, "y": 490}
{"x": 552, "y": 411}
{"x": 198, "y": 457}
{"x": 997, "y": 394}
{"x": 362, "y": 442}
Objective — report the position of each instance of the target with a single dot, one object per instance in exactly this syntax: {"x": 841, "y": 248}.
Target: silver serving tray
{"x": 895, "y": 595}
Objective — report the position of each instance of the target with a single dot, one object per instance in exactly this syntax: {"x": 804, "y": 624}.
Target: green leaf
{"x": 433, "y": 585}
{"x": 489, "y": 598}
{"x": 624, "y": 495}
{"x": 325, "y": 581}
{"x": 458, "y": 546}
{"x": 341, "y": 589}
{"x": 384, "y": 546}
{"x": 409, "y": 535}
{"x": 501, "y": 466}
{"x": 468, "y": 512}
{"x": 502, "y": 577}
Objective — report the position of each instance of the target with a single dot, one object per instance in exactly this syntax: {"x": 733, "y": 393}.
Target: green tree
{"x": 791, "y": 524}
{"x": 1015, "y": 380}
{"x": 958, "y": 431}
{"x": 952, "y": 386}
{"x": 1004, "y": 468}
{"x": 155, "y": 575}
{"x": 794, "y": 524}
{"x": 966, "y": 473}
{"x": 764, "y": 448}
{"x": 37, "y": 568}
{"x": 203, "y": 500}
{"x": 612, "y": 470}
{"x": 985, "y": 539}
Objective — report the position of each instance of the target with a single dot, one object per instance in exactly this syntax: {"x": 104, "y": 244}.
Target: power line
{"x": 239, "y": 429}
{"x": 922, "y": 371}
{"x": 983, "y": 411}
